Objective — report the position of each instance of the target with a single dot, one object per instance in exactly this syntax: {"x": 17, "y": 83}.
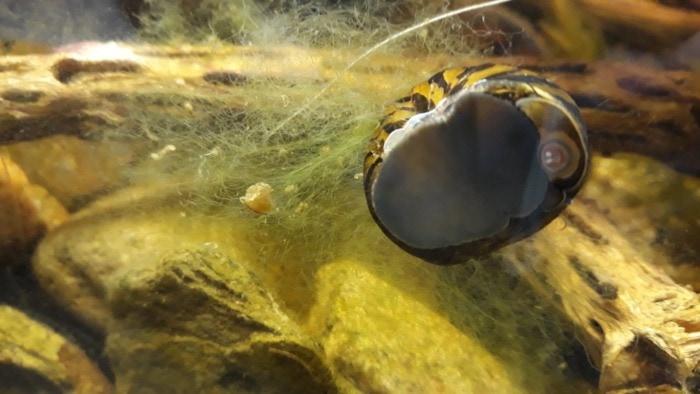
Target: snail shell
{"x": 474, "y": 159}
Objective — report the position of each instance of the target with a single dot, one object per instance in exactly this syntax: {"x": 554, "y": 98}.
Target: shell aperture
{"x": 461, "y": 174}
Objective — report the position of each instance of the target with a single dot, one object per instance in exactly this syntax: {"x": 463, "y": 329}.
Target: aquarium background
{"x": 182, "y": 204}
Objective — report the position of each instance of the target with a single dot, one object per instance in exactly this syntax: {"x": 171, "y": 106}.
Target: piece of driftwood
{"x": 658, "y": 26}
{"x": 638, "y": 326}
{"x": 647, "y": 24}
{"x": 640, "y": 329}
{"x": 627, "y": 108}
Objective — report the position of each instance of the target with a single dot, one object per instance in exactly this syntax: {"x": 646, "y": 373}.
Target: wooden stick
{"x": 647, "y": 24}
{"x": 627, "y": 108}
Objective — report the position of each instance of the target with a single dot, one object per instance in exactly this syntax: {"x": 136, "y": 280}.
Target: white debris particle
{"x": 161, "y": 153}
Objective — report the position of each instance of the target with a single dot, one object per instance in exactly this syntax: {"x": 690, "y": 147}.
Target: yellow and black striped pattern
{"x": 517, "y": 83}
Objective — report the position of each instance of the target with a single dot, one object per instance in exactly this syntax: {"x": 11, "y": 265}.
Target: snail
{"x": 474, "y": 159}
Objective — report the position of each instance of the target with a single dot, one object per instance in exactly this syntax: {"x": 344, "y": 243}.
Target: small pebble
{"x": 258, "y": 198}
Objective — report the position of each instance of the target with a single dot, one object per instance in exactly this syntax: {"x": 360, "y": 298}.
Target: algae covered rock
{"x": 182, "y": 312}
{"x": 386, "y": 341}
{"x": 130, "y": 230}
{"x": 199, "y": 322}
{"x": 35, "y": 359}
{"x": 173, "y": 291}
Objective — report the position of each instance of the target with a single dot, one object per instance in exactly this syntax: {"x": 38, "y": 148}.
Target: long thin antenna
{"x": 387, "y": 40}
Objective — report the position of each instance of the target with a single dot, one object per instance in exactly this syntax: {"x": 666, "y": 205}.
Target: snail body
{"x": 474, "y": 159}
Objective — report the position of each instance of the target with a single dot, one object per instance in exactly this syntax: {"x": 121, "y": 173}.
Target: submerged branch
{"x": 627, "y": 108}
